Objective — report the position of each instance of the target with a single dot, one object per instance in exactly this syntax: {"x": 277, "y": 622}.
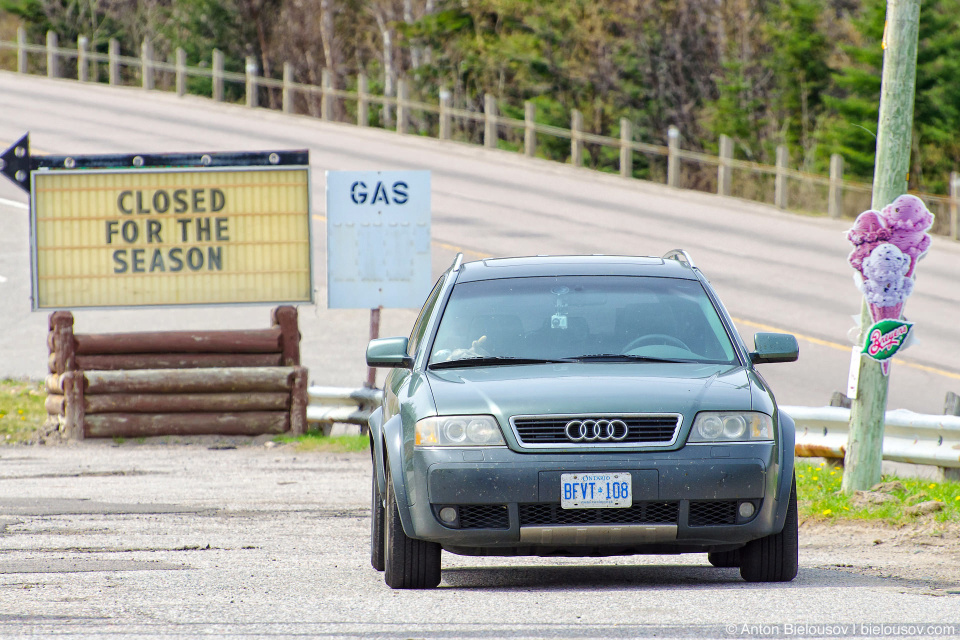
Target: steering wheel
{"x": 655, "y": 338}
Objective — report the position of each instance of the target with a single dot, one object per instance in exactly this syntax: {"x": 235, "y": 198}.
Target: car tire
{"x": 724, "y": 559}
{"x": 408, "y": 563}
{"x": 774, "y": 558}
{"x": 376, "y": 525}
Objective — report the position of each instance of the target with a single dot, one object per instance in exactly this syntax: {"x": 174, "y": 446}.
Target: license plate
{"x": 596, "y": 490}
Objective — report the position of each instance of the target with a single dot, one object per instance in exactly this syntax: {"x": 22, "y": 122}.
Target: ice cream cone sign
{"x": 887, "y": 245}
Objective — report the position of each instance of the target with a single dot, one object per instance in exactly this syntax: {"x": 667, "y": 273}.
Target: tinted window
{"x": 567, "y": 317}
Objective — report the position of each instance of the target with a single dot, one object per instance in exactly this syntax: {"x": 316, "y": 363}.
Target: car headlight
{"x": 458, "y": 431}
{"x": 731, "y": 426}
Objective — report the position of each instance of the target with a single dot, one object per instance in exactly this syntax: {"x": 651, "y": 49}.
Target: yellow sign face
{"x": 171, "y": 237}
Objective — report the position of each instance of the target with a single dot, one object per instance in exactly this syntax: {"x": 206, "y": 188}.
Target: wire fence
{"x": 778, "y": 184}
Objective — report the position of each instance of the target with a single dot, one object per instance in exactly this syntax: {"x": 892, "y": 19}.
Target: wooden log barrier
{"x": 177, "y": 382}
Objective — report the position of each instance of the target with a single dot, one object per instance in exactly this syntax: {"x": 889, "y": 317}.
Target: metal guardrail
{"x": 328, "y": 405}
{"x": 908, "y": 437}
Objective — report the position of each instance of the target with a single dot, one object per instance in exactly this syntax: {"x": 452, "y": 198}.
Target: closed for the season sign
{"x": 168, "y": 237}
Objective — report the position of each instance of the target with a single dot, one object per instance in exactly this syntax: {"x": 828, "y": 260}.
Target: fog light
{"x": 746, "y": 509}
{"x": 449, "y": 515}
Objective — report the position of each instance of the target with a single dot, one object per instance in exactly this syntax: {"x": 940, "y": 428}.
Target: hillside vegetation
{"x": 805, "y": 73}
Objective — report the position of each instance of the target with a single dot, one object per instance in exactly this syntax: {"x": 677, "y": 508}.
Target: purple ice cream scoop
{"x": 908, "y": 220}
{"x": 869, "y": 230}
{"x": 885, "y": 282}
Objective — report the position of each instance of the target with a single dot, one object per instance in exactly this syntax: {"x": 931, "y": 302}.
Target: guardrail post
{"x": 951, "y": 404}
{"x": 250, "y": 71}
{"x": 673, "y": 157}
{"x": 286, "y": 93}
{"x": 53, "y": 56}
{"x": 724, "y": 170}
{"x": 113, "y": 61}
{"x": 626, "y": 148}
{"x": 326, "y": 87}
{"x": 780, "y": 183}
{"x": 576, "y": 139}
{"x": 82, "y": 60}
{"x": 363, "y": 104}
{"x": 835, "y": 197}
{"x": 403, "y": 107}
{"x": 529, "y": 129}
{"x": 146, "y": 64}
{"x": 955, "y": 205}
{"x": 217, "y": 75}
{"x": 21, "y": 50}
{"x": 181, "y": 66}
{"x": 445, "y": 99}
{"x": 489, "y": 121}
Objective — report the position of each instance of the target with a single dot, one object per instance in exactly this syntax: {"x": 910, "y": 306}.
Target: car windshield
{"x": 581, "y": 318}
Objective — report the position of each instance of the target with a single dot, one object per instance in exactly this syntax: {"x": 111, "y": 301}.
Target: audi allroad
{"x": 579, "y": 406}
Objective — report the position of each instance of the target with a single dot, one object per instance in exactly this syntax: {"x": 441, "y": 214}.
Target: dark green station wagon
{"x": 580, "y": 406}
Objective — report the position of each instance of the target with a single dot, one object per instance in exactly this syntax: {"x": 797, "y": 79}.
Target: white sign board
{"x": 378, "y": 239}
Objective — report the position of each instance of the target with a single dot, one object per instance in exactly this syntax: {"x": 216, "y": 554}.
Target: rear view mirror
{"x": 389, "y": 352}
{"x": 774, "y": 347}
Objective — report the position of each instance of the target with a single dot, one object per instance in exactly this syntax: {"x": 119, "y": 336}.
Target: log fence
{"x": 777, "y": 184}
{"x": 177, "y": 382}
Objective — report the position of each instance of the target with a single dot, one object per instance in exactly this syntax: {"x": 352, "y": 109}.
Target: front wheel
{"x": 408, "y": 563}
{"x": 774, "y": 558}
{"x": 376, "y": 525}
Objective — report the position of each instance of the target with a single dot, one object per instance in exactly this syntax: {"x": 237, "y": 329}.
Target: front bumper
{"x": 685, "y": 500}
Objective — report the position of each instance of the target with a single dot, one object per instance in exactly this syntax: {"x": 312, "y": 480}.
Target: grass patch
{"x": 21, "y": 410}
{"x": 819, "y": 498}
{"x": 316, "y": 441}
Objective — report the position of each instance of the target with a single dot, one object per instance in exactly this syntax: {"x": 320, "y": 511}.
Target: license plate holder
{"x": 591, "y": 490}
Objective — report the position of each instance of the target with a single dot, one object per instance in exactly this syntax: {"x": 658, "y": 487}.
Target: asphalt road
{"x": 145, "y": 541}
{"x": 772, "y": 269}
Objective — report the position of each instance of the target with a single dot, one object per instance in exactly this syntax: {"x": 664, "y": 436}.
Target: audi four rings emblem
{"x": 596, "y": 430}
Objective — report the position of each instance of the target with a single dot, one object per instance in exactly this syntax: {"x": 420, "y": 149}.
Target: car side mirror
{"x": 389, "y": 352}
{"x": 774, "y": 347}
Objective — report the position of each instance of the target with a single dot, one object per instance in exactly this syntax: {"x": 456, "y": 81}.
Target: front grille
{"x": 484, "y": 516}
{"x": 548, "y": 514}
{"x": 642, "y": 430}
{"x": 714, "y": 512}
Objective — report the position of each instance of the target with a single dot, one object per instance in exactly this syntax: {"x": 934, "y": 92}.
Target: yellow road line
{"x": 847, "y": 348}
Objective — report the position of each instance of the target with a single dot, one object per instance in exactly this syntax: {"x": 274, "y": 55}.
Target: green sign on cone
{"x": 886, "y": 338}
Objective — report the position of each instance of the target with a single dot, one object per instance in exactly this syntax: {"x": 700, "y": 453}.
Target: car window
{"x": 576, "y": 316}
{"x": 420, "y": 326}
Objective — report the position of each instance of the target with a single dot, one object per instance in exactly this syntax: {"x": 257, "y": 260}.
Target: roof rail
{"x": 457, "y": 262}
{"x": 680, "y": 256}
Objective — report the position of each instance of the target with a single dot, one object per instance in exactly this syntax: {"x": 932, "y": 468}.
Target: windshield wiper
{"x": 494, "y": 360}
{"x": 625, "y": 357}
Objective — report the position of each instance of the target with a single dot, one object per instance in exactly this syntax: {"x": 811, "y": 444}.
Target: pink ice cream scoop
{"x": 869, "y": 230}
{"x": 908, "y": 219}
{"x": 885, "y": 282}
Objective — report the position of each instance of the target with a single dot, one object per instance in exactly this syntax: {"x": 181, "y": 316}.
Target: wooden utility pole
{"x": 864, "y": 454}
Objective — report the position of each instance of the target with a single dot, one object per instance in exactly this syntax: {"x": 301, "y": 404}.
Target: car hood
{"x": 578, "y": 388}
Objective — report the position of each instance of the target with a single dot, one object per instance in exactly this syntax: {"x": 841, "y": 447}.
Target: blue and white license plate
{"x": 596, "y": 490}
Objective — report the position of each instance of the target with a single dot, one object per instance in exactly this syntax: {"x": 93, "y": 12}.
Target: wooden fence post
{"x": 83, "y": 68}
{"x": 250, "y": 71}
{"x": 326, "y": 95}
{"x": 53, "y": 56}
{"x": 363, "y": 104}
{"x": 74, "y": 413}
{"x": 724, "y": 170}
{"x": 780, "y": 182}
{"x": 113, "y": 61}
{"x": 490, "y": 134}
{"x": 445, "y": 99}
{"x": 286, "y": 92}
{"x": 529, "y": 129}
{"x": 835, "y": 195}
{"x": 299, "y": 399}
{"x": 146, "y": 64}
{"x": 285, "y": 318}
{"x": 181, "y": 72}
{"x": 21, "y": 50}
{"x": 63, "y": 357}
{"x": 955, "y": 205}
{"x": 217, "y": 75}
{"x": 576, "y": 138}
{"x": 673, "y": 157}
{"x": 626, "y": 148}
{"x": 403, "y": 108}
